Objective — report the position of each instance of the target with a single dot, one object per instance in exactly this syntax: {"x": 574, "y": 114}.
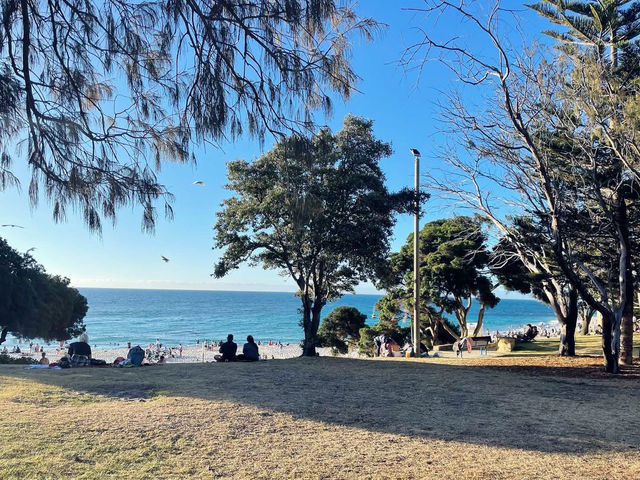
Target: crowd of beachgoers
{"x": 157, "y": 352}
{"x": 198, "y": 350}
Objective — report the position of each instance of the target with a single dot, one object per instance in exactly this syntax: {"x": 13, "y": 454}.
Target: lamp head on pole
{"x": 414, "y": 152}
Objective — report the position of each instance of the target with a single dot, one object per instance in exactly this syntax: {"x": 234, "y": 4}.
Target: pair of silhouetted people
{"x": 229, "y": 348}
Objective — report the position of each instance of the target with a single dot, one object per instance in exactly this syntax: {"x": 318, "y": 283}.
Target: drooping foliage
{"x": 99, "y": 94}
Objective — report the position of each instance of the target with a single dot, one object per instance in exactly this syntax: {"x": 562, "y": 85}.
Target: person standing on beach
{"x": 180, "y": 349}
{"x": 228, "y": 350}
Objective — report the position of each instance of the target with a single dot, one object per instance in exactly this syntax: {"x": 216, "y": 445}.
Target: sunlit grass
{"x": 585, "y": 345}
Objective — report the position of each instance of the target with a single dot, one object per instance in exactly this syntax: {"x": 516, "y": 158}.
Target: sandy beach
{"x": 198, "y": 354}
{"x": 190, "y": 354}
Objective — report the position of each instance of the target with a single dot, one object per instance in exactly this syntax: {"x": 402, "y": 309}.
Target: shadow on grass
{"x": 486, "y": 405}
{"x": 536, "y": 347}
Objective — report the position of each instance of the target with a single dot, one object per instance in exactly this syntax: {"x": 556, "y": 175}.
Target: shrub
{"x": 7, "y": 360}
{"x": 340, "y": 328}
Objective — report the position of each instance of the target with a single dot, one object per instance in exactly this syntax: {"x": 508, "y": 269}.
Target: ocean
{"x": 117, "y": 316}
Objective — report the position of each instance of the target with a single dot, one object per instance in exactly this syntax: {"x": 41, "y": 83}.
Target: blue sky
{"x": 402, "y": 106}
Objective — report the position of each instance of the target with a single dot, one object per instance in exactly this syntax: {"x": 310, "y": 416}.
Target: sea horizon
{"x": 172, "y": 316}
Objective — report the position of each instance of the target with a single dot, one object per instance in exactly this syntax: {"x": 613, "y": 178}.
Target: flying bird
{"x": 414, "y": 152}
{"x": 30, "y": 250}
{"x": 11, "y": 225}
{"x": 199, "y": 182}
{"x": 166, "y": 260}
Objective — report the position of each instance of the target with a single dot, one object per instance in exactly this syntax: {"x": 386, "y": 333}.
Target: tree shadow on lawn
{"x": 502, "y": 406}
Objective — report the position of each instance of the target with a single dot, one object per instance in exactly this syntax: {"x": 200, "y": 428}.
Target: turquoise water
{"x": 117, "y": 316}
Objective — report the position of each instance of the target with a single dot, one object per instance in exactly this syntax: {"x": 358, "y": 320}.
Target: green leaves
{"x": 601, "y": 26}
{"x": 103, "y": 93}
{"x": 453, "y": 269}
{"x": 315, "y": 208}
{"x": 34, "y": 303}
{"x": 341, "y": 327}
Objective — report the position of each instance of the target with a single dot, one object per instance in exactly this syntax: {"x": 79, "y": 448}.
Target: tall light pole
{"x": 415, "y": 330}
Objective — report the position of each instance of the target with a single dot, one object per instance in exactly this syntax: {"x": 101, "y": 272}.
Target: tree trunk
{"x": 626, "y": 327}
{"x": 586, "y": 321}
{"x": 312, "y": 322}
{"x": 478, "y": 329}
{"x": 308, "y": 344}
{"x": 309, "y": 347}
{"x": 626, "y": 338}
{"x": 445, "y": 325}
{"x": 462, "y": 321}
{"x": 3, "y": 335}
{"x": 461, "y": 315}
{"x": 610, "y": 342}
{"x": 568, "y": 326}
{"x": 567, "y": 340}
{"x": 432, "y": 334}
{"x": 624, "y": 316}
{"x": 464, "y": 332}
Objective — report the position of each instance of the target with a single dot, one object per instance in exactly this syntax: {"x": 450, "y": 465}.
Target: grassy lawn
{"x": 526, "y": 415}
{"x": 585, "y": 345}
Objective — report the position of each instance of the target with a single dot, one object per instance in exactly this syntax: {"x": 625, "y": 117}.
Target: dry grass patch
{"x": 322, "y": 418}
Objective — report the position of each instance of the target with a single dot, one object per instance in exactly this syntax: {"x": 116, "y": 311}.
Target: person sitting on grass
{"x": 79, "y": 352}
{"x": 44, "y": 360}
{"x": 249, "y": 351}
{"x": 228, "y": 350}
{"x": 81, "y": 347}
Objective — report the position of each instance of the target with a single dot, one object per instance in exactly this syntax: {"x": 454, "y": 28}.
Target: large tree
{"x": 560, "y": 136}
{"x": 453, "y": 271}
{"x": 602, "y": 38}
{"x": 99, "y": 94}
{"x": 317, "y": 210}
{"x": 34, "y": 303}
{"x": 528, "y": 267}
